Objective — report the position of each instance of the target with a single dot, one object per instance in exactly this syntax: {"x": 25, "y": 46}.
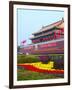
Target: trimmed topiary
{"x": 44, "y": 59}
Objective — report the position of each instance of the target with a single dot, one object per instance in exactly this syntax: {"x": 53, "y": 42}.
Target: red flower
{"x": 35, "y": 69}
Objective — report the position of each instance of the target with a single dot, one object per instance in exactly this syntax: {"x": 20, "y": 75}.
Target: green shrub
{"x": 27, "y": 59}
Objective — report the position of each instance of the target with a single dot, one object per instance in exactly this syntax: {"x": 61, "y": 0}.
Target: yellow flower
{"x": 43, "y": 66}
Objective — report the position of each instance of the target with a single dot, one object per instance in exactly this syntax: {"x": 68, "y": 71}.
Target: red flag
{"x": 24, "y": 41}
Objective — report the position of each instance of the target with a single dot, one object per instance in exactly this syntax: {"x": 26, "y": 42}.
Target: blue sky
{"x": 29, "y": 21}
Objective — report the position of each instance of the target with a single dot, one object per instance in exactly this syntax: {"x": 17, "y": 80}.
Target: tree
{"x": 18, "y": 48}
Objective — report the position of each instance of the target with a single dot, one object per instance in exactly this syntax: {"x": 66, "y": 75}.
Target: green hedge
{"x": 27, "y": 59}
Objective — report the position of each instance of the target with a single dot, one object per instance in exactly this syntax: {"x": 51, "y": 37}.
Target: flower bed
{"x": 47, "y": 66}
{"x": 35, "y": 69}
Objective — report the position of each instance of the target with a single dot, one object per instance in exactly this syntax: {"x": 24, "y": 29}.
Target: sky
{"x": 30, "y": 21}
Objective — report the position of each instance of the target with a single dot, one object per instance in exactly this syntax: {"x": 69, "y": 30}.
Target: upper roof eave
{"x": 48, "y": 27}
